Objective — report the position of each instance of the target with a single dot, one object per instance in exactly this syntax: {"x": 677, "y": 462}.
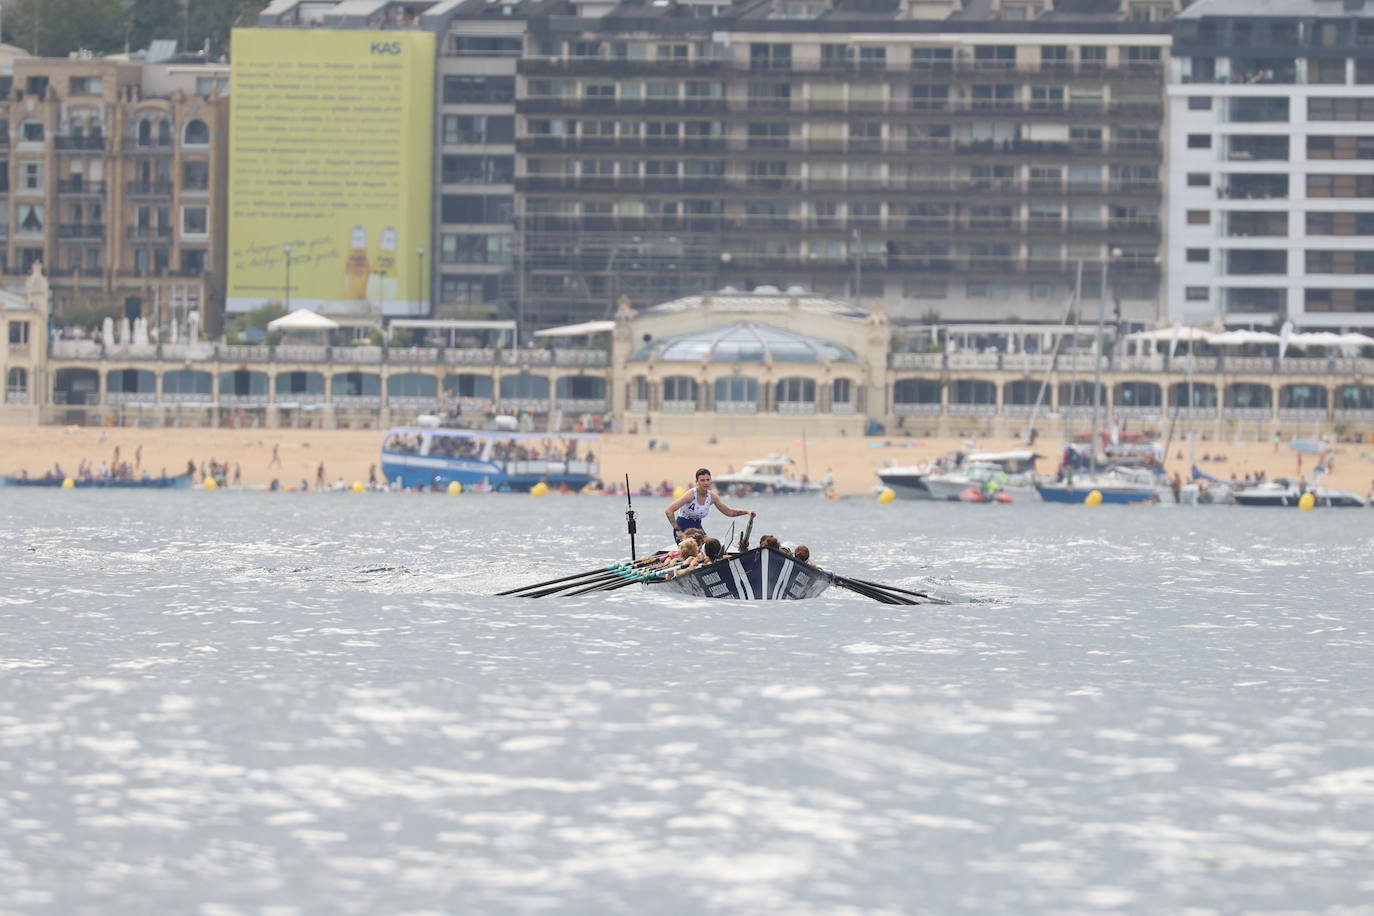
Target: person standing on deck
{"x": 691, "y": 509}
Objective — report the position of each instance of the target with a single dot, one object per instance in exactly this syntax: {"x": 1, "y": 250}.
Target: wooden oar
{"x": 582, "y": 575}
{"x": 893, "y": 588}
{"x": 867, "y": 592}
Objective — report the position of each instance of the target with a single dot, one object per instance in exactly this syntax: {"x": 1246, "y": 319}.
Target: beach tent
{"x": 1317, "y": 339}
{"x": 1242, "y": 337}
{"x": 302, "y": 320}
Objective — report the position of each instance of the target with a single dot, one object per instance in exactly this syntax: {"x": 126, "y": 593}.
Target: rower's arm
{"x": 726, "y": 510}
{"x": 671, "y": 511}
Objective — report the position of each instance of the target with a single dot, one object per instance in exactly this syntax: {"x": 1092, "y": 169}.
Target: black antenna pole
{"x": 630, "y": 517}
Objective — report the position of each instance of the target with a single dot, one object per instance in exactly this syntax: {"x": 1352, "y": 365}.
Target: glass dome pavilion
{"x": 744, "y": 341}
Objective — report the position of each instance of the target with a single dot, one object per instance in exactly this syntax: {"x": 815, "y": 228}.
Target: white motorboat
{"x": 773, "y": 474}
{"x": 927, "y": 481}
{"x": 1278, "y": 492}
{"x": 983, "y": 476}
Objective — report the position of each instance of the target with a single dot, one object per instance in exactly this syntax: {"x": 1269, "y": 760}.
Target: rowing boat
{"x": 760, "y": 574}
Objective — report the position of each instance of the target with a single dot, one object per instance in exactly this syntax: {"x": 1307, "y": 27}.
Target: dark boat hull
{"x": 761, "y": 574}
{"x": 180, "y": 482}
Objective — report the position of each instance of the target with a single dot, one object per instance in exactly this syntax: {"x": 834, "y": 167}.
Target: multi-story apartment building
{"x": 111, "y": 176}
{"x": 959, "y": 159}
{"x": 1272, "y": 114}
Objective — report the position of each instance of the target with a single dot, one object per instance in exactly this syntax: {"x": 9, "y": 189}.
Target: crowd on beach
{"x": 501, "y": 450}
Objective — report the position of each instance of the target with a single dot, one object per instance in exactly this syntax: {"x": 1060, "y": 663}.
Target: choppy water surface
{"x": 250, "y": 703}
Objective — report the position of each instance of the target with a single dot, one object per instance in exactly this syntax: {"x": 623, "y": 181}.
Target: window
{"x": 482, "y": 90}
{"x": 485, "y": 45}
{"x": 1199, "y": 217}
{"x": 17, "y": 386}
{"x": 30, "y": 218}
{"x": 796, "y": 390}
{"x": 737, "y": 390}
{"x": 195, "y": 220}
{"x": 939, "y": 60}
{"x": 196, "y": 133}
{"x": 1195, "y": 293}
{"x": 19, "y": 332}
{"x": 1199, "y": 141}
{"x": 1199, "y": 180}
{"x": 1199, "y": 255}
{"x": 1199, "y": 103}
{"x": 679, "y": 388}
{"x": 31, "y": 176}
{"x": 476, "y": 208}
{"x": 479, "y": 129}
{"x": 1320, "y": 108}
{"x": 195, "y": 176}
{"x": 86, "y": 85}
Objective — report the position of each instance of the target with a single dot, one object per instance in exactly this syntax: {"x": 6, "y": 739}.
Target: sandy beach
{"x": 349, "y": 454}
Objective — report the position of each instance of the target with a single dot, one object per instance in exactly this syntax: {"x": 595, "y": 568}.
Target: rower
{"x": 690, "y": 510}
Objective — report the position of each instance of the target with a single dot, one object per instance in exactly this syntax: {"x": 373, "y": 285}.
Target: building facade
{"x": 24, "y": 360}
{"x": 959, "y": 160}
{"x": 112, "y": 179}
{"x": 1271, "y": 110}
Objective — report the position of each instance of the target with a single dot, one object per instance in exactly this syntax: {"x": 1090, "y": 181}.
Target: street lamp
{"x": 420, "y": 275}
{"x": 286, "y": 250}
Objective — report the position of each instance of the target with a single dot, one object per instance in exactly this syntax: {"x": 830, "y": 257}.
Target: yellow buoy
{"x": 68, "y": 483}
{"x": 886, "y": 496}
{"x": 358, "y": 486}
{"x": 679, "y": 492}
{"x": 211, "y": 484}
{"x": 1308, "y": 502}
{"x": 1093, "y": 499}
{"x": 539, "y": 489}
{"x": 454, "y": 488}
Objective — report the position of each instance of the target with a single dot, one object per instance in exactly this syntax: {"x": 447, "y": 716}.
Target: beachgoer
{"x": 692, "y": 507}
{"x": 276, "y": 456}
{"x": 319, "y": 476}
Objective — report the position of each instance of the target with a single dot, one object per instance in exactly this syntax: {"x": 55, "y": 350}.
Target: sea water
{"x": 240, "y": 702}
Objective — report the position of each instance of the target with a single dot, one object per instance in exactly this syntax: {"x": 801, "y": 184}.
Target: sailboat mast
{"x": 1097, "y": 366}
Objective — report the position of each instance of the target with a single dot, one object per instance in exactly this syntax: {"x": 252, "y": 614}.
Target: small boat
{"x": 1339, "y": 499}
{"x": 489, "y": 459}
{"x": 1118, "y": 486}
{"x": 179, "y": 482}
{"x": 766, "y": 475}
{"x": 1014, "y": 471}
{"x": 758, "y": 574}
{"x": 1278, "y": 492}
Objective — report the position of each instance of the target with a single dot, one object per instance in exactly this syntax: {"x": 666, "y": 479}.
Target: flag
{"x": 1173, "y": 341}
{"x": 1284, "y": 333}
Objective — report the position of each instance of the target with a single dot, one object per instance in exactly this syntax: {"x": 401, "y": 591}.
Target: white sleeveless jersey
{"x": 694, "y": 511}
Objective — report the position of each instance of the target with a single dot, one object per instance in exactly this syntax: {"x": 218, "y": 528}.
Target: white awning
{"x": 302, "y": 320}
{"x": 577, "y": 330}
{"x": 1185, "y": 334}
{"x": 1242, "y": 337}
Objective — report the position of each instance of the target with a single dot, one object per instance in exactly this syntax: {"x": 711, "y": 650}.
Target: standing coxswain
{"x": 691, "y": 509}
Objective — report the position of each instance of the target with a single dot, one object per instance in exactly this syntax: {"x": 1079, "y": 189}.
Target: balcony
{"x": 595, "y": 66}
{"x": 77, "y": 186}
{"x": 69, "y": 143}
{"x": 150, "y": 233}
{"x": 81, "y": 231}
{"x": 160, "y": 188}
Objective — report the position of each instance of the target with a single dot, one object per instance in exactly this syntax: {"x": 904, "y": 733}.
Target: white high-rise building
{"x": 1271, "y": 187}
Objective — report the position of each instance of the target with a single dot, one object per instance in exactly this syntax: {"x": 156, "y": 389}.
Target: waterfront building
{"x": 958, "y": 160}
{"x": 784, "y": 362}
{"x": 111, "y": 177}
{"x": 23, "y": 361}
{"x": 1271, "y": 106}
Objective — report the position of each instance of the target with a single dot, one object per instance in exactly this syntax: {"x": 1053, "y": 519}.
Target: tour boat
{"x": 487, "y": 459}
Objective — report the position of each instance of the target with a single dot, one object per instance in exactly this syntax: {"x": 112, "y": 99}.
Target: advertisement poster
{"x": 330, "y": 170}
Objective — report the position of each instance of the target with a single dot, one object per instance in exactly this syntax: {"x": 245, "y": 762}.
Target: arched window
{"x": 355, "y": 385}
{"x": 525, "y": 386}
{"x": 1137, "y": 394}
{"x": 412, "y": 385}
{"x": 196, "y": 133}
{"x": 916, "y": 391}
{"x": 796, "y": 390}
{"x": 1355, "y": 397}
{"x": 17, "y": 386}
{"x": 468, "y": 385}
{"x": 145, "y": 132}
{"x": 1193, "y": 394}
{"x": 972, "y": 391}
{"x": 581, "y": 388}
{"x": 737, "y": 390}
{"x": 680, "y": 389}
{"x": 841, "y": 391}
{"x": 1249, "y": 395}
{"x": 164, "y": 132}
{"x": 1303, "y": 397}
{"x": 186, "y": 381}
